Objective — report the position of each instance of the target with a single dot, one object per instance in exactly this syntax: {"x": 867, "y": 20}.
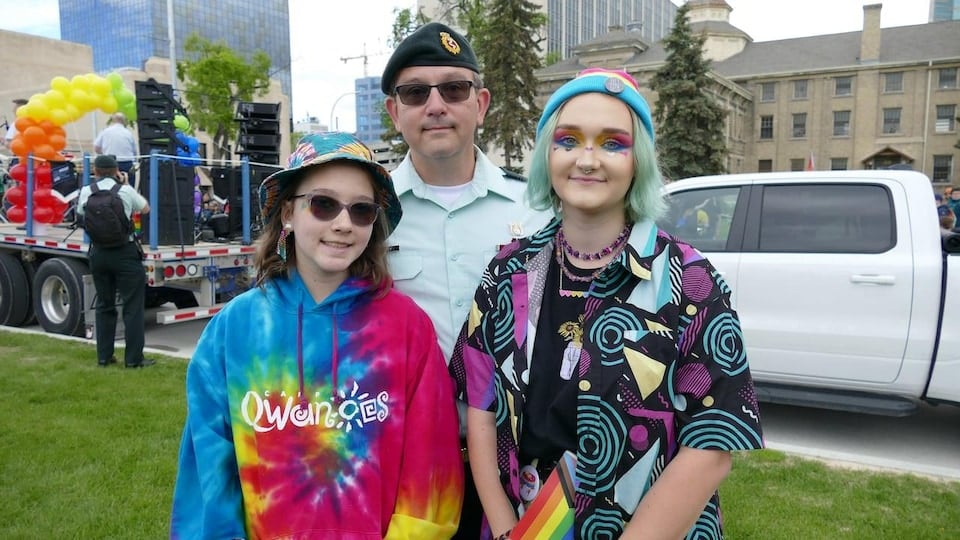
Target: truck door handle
{"x": 875, "y": 279}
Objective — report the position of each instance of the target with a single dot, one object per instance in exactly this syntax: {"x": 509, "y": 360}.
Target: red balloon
{"x": 17, "y": 214}
{"x": 43, "y": 214}
{"x": 19, "y": 173}
{"x": 43, "y": 197}
{"x": 42, "y": 175}
{"x": 16, "y": 195}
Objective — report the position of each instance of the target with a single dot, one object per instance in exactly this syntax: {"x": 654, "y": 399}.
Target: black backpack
{"x": 104, "y": 218}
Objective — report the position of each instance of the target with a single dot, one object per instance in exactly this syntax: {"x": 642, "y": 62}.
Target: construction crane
{"x": 364, "y": 56}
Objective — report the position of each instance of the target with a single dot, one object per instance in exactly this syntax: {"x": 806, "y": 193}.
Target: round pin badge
{"x": 529, "y": 483}
{"x": 613, "y": 85}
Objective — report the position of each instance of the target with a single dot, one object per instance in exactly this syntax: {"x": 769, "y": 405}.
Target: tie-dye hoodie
{"x": 269, "y": 452}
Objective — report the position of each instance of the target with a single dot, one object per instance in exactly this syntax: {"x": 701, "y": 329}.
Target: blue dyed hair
{"x": 644, "y": 199}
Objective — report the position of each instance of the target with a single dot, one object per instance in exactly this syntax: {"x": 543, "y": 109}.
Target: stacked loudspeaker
{"x": 228, "y": 185}
{"x": 259, "y": 136}
{"x": 156, "y": 108}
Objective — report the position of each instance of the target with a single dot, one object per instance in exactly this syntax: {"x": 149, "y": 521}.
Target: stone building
{"x": 857, "y": 100}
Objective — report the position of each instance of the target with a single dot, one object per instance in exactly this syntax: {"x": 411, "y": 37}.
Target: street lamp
{"x": 334, "y": 108}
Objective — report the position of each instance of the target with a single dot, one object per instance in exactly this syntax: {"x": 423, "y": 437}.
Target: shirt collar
{"x": 487, "y": 177}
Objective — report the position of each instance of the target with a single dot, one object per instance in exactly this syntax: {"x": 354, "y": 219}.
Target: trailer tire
{"x": 14, "y": 292}
{"x": 58, "y": 296}
{"x": 30, "y": 269}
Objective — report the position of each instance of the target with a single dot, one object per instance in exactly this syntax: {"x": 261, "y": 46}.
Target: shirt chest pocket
{"x": 404, "y": 266}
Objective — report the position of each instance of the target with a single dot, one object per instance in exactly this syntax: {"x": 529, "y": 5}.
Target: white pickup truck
{"x": 848, "y": 294}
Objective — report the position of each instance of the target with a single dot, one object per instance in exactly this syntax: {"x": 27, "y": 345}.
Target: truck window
{"x": 826, "y": 218}
{"x": 701, "y": 217}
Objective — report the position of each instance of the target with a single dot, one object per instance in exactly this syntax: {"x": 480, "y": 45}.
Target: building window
{"x": 942, "y": 167}
{"x": 799, "y": 125}
{"x": 838, "y": 164}
{"x": 843, "y": 86}
{"x": 893, "y": 82}
{"x": 841, "y": 123}
{"x": 765, "y": 165}
{"x": 891, "y": 120}
{"x": 800, "y": 89}
{"x": 947, "y": 79}
{"x": 797, "y": 164}
{"x": 768, "y": 91}
{"x": 946, "y": 118}
{"x": 766, "y": 127}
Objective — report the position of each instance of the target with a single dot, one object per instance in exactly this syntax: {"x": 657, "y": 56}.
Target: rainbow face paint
{"x": 611, "y": 141}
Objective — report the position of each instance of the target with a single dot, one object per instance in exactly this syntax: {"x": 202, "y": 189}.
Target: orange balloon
{"x": 58, "y": 142}
{"x": 57, "y": 130}
{"x": 19, "y": 147}
{"x": 35, "y": 136}
{"x": 23, "y": 123}
{"x": 45, "y": 151}
{"x": 47, "y": 126}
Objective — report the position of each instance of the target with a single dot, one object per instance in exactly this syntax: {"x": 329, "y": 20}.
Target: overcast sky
{"x": 323, "y": 32}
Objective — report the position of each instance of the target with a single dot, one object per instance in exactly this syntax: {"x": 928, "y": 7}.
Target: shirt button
{"x": 454, "y": 258}
{"x": 459, "y": 303}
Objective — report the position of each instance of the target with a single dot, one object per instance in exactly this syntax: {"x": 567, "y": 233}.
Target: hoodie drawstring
{"x": 336, "y": 347}
{"x": 303, "y": 394}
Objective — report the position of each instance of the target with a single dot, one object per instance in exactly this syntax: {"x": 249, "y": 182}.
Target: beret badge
{"x": 449, "y": 43}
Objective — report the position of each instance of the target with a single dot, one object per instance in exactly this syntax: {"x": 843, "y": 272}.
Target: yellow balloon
{"x": 101, "y": 86}
{"x": 55, "y": 99}
{"x": 109, "y": 104}
{"x": 72, "y": 112}
{"x": 80, "y": 99}
{"x": 38, "y": 108}
{"x": 22, "y": 111}
{"x": 79, "y": 82}
{"x": 60, "y": 83}
{"x": 60, "y": 116}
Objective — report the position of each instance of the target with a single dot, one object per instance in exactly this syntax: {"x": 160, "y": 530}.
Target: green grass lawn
{"x": 87, "y": 453}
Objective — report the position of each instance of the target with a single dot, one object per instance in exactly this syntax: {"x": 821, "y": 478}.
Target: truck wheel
{"x": 58, "y": 296}
{"x": 14, "y": 292}
{"x": 30, "y": 269}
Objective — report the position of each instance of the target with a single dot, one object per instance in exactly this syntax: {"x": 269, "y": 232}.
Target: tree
{"x": 690, "y": 137}
{"x": 404, "y": 24}
{"x": 215, "y": 79}
{"x": 506, "y": 38}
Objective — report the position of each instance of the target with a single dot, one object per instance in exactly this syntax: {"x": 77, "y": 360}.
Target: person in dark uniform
{"x": 117, "y": 269}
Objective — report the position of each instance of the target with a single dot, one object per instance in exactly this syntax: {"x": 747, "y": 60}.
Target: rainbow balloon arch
{"x": 41, "y": 138}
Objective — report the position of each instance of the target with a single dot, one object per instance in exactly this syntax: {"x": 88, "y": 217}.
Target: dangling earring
{"x": 282, "y": 241}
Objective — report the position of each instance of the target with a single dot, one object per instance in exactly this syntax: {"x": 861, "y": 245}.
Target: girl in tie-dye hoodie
{"x": 318, "y": 403}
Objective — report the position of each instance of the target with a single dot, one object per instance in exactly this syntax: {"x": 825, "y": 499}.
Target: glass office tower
{"x": 125, "y": 33}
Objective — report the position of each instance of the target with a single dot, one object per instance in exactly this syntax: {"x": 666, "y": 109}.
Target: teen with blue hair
{"x": 606, "y": 337}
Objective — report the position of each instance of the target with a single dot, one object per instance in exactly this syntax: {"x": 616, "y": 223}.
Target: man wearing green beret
{"x": 459, "y": 207}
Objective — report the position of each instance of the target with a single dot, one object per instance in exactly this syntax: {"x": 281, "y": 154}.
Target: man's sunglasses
{"x": 415, "y": 95}
{"x": 327, "y": 208}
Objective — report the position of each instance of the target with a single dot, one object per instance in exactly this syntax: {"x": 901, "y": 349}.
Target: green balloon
{"x": 116, "y": 81}
{"x": 181, "y": 122}
{"x": 130, "y": 111}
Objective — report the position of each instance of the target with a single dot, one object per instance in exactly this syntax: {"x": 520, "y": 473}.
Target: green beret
{"x": 433, "y": 44}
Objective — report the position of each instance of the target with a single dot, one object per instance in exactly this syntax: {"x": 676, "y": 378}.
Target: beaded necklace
{"x": 564, "y": 271}
{"x": 562, "y": 240}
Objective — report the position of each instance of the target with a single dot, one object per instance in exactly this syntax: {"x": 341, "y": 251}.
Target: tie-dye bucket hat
{"x": 318, "y": 148}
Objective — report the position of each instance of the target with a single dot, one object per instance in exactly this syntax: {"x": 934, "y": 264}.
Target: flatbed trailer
{"x": 45, "y": 276}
